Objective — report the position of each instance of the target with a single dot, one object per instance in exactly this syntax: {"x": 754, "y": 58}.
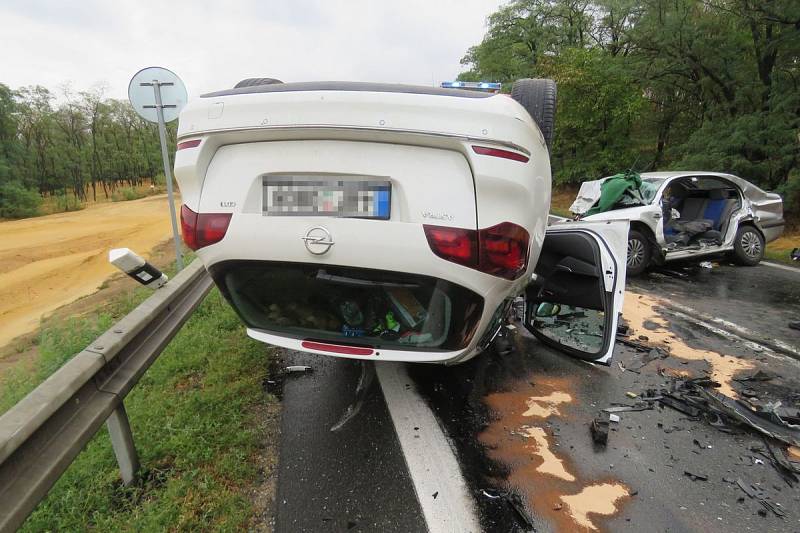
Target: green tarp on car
{"x": 613, "y": 189}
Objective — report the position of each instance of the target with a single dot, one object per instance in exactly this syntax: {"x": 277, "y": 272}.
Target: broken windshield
{"x": 649, "y": 188}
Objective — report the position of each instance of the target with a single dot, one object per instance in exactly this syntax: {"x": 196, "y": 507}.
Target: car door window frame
{"x": 607, "y": 284}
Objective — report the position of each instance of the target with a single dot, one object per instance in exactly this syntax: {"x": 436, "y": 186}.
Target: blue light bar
{"x": 472, "y": 85}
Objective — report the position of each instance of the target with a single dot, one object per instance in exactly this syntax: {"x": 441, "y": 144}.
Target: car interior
{"x": 351, "y": 305}
{"x": 567, "y": 299}
{"x": 705, "y": 205}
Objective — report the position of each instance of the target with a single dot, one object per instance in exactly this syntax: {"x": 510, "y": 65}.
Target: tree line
{"x": 79, "y": 145}
{"x": 659, "y": 84}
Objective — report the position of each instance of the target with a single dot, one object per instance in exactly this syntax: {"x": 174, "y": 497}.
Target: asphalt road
{"x": 340, "y": 465}
{"x": 763, "y": 298}
{"x": 518, "y": 425}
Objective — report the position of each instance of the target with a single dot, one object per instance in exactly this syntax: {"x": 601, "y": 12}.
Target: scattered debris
{"x": 514, "y": 503}
{"x": 679, "y": 405}
{"x": 633, "y": 344}
{"x": 631, "y": 395}
{"x": 558, "y": 507}
{"x": 648, "y": 356}
{"x": 624, "y": 368}
{"x": 599, "y": 429}
{"x": 613, "y": 418}
{"x": 758, "y": 376}
{"x": 706, "y": 265}
{"x": 787, "y": 470}
{"x": 297, "y": 368}
{"x": 767, "y": 422}
{"x": 758, "y": 495}
{"x": 362, "y": 389}
{"x": 695, "y": 477}
{"x": 640, "y": 406}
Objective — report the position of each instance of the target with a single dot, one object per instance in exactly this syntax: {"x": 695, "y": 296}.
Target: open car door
{"x": 575, "y": 298}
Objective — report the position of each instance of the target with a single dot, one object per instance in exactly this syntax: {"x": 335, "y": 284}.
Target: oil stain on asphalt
{"x": 640, "y": 312}
{"x": 521, "y": 437}
{"x": 534, "y": 457}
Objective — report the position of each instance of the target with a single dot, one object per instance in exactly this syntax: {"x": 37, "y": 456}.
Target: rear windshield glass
{"x": 350, "y": 305}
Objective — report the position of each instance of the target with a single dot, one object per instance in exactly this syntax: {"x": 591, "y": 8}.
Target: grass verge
{"x": 197, "y": 423}
{"x": 780, "y": 249}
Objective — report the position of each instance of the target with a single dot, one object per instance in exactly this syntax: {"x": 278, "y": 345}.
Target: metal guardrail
{"x": 46, "y": 430}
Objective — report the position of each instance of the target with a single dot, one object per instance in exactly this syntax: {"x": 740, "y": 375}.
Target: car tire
{"x": 748, "y": 246}
{"x": 538, "y": 97}
{"x": 254, "y": 82}
{"x": 639, "y": 253}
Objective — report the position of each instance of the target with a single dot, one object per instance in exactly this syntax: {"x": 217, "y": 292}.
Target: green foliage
{"x": 691, "y": 84}
{"x": 126, "y": 194}
{"x": 83, "y": 145}
{"x": 65, "y": 203}
{"x": 18, "y": 202}
{"x": 193, "y": 420}
{"x": 596, "y": 129}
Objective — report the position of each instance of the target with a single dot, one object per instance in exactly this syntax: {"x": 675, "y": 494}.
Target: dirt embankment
{"x": 50, "y": 261}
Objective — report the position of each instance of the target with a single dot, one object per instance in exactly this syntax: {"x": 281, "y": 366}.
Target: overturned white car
{"x": 685, "y": 215}
{"x": 391, "y": 222}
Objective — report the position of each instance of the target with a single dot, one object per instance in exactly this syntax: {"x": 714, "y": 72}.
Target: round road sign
{"x": 143, "y": 97}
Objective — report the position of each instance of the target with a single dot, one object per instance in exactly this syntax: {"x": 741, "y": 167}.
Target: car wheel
{"x": 748, "y": 247}
{"x": 538, "y": 97}
{"x": 254, "y": 82}
{"x": 639, "y": 253}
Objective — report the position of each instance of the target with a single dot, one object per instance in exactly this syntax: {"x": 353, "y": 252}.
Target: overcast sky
{"x": 212, "y": 45}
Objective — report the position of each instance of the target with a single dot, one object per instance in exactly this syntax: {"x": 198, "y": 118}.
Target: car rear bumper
{"x": 773, "y": 230}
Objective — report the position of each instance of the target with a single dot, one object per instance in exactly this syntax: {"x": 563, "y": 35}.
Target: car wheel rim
{"x": 751, "y": 244}
{"x": 635, "y": 253}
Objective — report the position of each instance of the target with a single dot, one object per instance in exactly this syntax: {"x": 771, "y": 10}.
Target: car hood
{"x": 588, "y": 195}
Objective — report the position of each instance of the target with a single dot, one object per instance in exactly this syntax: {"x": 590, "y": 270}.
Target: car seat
{"x": 719, "y": 208}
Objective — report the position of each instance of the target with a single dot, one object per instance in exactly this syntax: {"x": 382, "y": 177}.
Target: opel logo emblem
{"x": 318, "y": 240}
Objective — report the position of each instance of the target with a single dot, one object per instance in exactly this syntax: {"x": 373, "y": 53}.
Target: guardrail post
{"x": 122, "y": 441}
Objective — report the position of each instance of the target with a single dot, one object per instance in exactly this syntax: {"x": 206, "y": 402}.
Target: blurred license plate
{"x": 330, "y": 196}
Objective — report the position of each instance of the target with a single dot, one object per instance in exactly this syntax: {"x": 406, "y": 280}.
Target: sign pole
{"x": 162, "y": 133}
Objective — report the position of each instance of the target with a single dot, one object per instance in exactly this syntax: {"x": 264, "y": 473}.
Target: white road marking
{"x": 429, "y": 456}
{"x": 782, "y": 267}
{"x": 727, "y": 328}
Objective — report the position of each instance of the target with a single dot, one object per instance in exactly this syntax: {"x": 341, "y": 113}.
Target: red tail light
{"x": 194, "y": 143}
{"x": 203, "y": 229}
{"x": 454, "y": 244}
{"x": 497, "y": 152}
{"x": 501, "y": 250}
{"x": 504, "y": 250}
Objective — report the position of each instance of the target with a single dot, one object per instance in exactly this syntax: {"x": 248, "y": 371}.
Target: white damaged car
{"x": 391, "y": 222}
{"x": 684, "y": 215}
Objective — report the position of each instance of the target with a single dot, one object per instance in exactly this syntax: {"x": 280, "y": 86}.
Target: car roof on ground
{"x": 679, "y": 173}
{"x": 349, "y": 86}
